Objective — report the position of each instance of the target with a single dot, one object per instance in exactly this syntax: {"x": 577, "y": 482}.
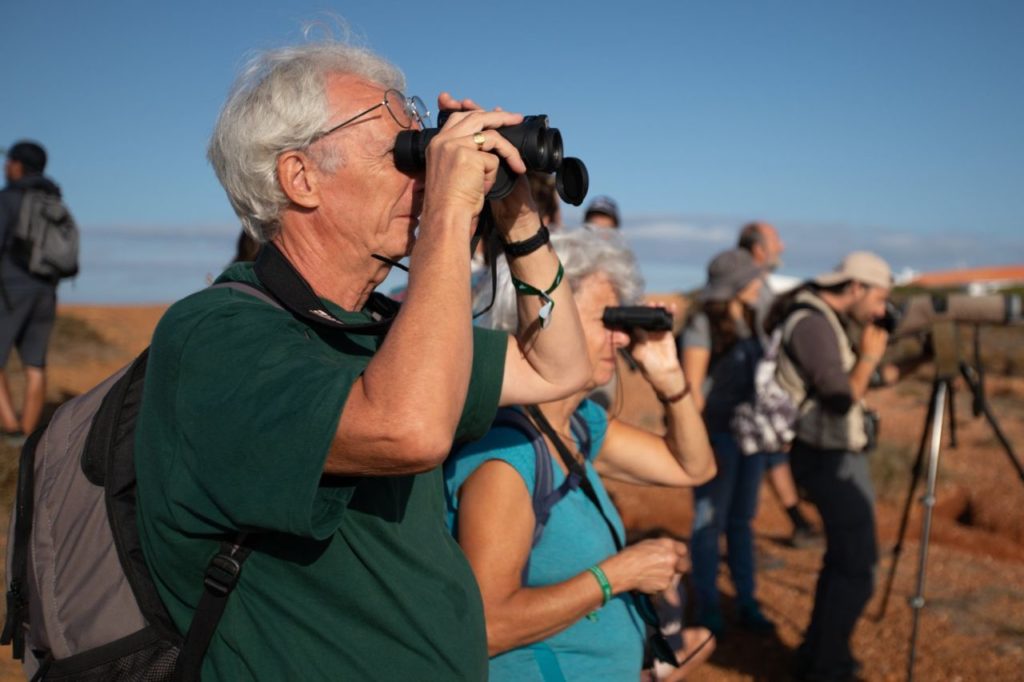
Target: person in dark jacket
{"x": 28, "y": 303}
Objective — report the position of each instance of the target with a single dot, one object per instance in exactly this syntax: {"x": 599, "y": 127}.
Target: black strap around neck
{"x": 283, "y": 282}
{"x": 574, "y": 466}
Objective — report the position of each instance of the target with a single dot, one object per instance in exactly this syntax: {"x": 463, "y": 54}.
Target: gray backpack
{"x": 767, "y": 422}
{"x": 81, "y": 603}
{"x": 45, "y": 239}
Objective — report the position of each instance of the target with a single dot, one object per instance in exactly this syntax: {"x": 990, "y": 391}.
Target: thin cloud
{"x": 689, "y": 242}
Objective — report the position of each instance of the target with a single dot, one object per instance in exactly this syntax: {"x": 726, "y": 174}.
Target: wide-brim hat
{"x": 728, "y": 273}
{"x": 859, "y": 266}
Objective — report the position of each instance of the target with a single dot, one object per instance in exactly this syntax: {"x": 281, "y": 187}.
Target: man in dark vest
{"x": 821, "y": 369}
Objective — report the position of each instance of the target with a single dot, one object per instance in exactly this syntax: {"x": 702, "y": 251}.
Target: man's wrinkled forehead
{"x": 348, "y": 93}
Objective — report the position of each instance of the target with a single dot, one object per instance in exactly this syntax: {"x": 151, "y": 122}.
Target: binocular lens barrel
{"x": 539, "y": 145}
{"x": 628, "y": 318}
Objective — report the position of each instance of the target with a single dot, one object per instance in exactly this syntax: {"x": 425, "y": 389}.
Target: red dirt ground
{"x": 972, "y": 627}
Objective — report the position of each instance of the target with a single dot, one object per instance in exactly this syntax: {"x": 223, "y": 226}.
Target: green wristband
{"x": 549, "y": 304}
{"x": 602, "y": 580}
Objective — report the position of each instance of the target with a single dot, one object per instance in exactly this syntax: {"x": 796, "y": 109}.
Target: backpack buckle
{"x": 222, "y": 573}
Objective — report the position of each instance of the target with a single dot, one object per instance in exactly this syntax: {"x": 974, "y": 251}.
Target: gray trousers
{"x": 839, "y": 485}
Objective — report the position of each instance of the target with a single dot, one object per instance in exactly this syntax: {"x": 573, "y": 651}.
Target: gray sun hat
{"x": 860, "y": 266}
{"x": 728, "y": 273}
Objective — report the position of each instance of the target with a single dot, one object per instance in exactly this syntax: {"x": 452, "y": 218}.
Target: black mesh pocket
{"x": 144, "y": 656}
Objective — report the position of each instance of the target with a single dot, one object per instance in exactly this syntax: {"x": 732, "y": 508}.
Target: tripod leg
{"x": 915, "y": 476}
{"x": 972, "y": 379}
{"x": 917, "y": 601}
{"x": 952, "y": 415}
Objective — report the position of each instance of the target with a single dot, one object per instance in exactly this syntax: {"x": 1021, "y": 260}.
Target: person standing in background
{"x": 602, "y": 214}
{"x": 720, "y": 351}
{"x": 28, "y": 303}
{"x": 761, "y": 240}
{"x": 819, "y": 368}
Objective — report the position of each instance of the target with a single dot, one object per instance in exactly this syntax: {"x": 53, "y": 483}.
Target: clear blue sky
{"x": 897, "y": 126}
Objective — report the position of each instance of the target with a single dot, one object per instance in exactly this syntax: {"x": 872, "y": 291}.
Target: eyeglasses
{"x": 406, "y": 111}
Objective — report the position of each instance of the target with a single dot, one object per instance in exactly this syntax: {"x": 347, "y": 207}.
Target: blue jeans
{"x": 726, "y": 504}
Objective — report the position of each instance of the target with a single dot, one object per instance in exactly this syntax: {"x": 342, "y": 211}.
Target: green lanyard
{"x": 549, "y": 304}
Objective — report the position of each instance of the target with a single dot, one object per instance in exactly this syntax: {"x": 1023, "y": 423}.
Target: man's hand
{"x": 463, "y": 158}
{"x": 873, "y": 341}
{"x": 515, "y": 215}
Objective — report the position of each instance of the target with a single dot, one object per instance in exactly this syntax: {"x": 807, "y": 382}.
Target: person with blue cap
{"x": 601, "y": 213}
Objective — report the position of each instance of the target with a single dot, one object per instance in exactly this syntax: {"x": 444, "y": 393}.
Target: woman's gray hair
{"x": 279, "y": 102}
{"x": 582, "y": 253}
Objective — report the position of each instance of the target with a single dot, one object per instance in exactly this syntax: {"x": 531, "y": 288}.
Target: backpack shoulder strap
{"x": 222, "y": 574}
{"x": 543, "y": 481}
{"x": 798, "y": 312}
{"x": 251, "y": 290}
{"x": 28, "y": 200}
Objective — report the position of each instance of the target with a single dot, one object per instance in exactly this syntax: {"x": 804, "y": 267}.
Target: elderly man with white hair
{"x": 317, "y": 428}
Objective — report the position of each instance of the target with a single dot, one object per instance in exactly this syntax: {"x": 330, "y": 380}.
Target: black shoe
{"x": 805, "y": 537}
{"x": 752, "y": 620}
{"x": 849, "y": 671}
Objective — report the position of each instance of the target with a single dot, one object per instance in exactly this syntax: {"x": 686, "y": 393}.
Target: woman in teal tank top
{"x": 560, "y": 606}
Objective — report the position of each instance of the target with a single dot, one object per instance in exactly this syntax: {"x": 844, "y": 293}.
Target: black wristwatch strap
{"x": 516, "y": 249}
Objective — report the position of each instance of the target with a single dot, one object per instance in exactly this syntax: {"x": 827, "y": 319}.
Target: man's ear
{"x": 297, "y": 175}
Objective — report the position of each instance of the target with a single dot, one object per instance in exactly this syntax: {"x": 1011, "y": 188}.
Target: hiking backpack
{"x": 45, "y": 238}
{"x": 81, "y": 602}
{"x": 767, "y": 422}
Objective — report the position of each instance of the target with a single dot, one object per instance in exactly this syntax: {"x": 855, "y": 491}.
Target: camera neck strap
{"x": 282, "y": 281}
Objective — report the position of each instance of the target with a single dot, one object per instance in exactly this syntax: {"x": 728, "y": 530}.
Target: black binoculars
{"x": 539, "y": 145}
{"x": 630, "y": 317}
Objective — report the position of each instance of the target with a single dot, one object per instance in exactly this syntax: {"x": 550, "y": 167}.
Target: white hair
{"x": 582, "y": 253}
{"x": 279, "y": 102}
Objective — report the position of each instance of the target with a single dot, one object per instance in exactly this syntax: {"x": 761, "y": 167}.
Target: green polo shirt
{"x": 350, "y": 578}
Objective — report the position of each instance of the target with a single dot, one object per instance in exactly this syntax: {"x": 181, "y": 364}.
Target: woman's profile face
{"x": 594, "y": 293}
{"x": 749, "y": 293}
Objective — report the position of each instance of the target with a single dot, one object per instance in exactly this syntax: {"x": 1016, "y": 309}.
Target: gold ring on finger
{"x": 479, "y": 139}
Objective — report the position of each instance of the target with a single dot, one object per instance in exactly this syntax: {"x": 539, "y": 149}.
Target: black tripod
{"x": 947, "y": 366}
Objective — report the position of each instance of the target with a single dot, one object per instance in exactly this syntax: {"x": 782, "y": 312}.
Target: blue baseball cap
{"x": 604, "y": 205}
